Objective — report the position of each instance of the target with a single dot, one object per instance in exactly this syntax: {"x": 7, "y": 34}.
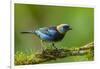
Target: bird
{"x": 51, "y": 34}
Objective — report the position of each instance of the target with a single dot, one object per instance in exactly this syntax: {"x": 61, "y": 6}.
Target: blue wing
{"x": 46, "y": 33}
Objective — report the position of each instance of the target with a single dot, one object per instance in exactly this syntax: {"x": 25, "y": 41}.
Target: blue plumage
{"x": 51, "y": 34}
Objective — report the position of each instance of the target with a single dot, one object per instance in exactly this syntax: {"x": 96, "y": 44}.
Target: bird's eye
{"x": 66, "y": 27}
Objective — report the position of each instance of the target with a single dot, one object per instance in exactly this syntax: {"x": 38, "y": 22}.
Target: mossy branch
{"x": 53, "y": 54}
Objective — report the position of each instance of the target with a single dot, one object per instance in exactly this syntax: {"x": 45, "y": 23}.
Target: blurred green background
{"x": 30, "y": 17}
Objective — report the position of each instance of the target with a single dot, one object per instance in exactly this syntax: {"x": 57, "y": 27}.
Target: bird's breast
{"x": 58, "y": 37}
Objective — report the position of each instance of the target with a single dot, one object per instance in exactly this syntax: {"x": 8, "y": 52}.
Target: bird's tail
{"x": 28, "y": 32}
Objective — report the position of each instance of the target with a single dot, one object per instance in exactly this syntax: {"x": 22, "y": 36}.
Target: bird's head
{"x": 63, "y": 28}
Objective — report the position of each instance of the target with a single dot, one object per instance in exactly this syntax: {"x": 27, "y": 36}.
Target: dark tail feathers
{"x": 28, "y": 32}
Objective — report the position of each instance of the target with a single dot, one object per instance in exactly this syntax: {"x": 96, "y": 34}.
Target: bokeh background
{"x": 30, "y": 17}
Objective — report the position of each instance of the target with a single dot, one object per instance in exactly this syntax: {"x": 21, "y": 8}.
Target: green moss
{"x": 85, "y": 53}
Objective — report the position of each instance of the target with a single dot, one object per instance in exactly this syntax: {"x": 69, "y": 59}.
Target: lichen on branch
{"x": 53, "y": 54}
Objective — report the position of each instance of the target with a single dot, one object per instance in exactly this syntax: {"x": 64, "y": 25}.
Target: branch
{"x": 53, "y": 54}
